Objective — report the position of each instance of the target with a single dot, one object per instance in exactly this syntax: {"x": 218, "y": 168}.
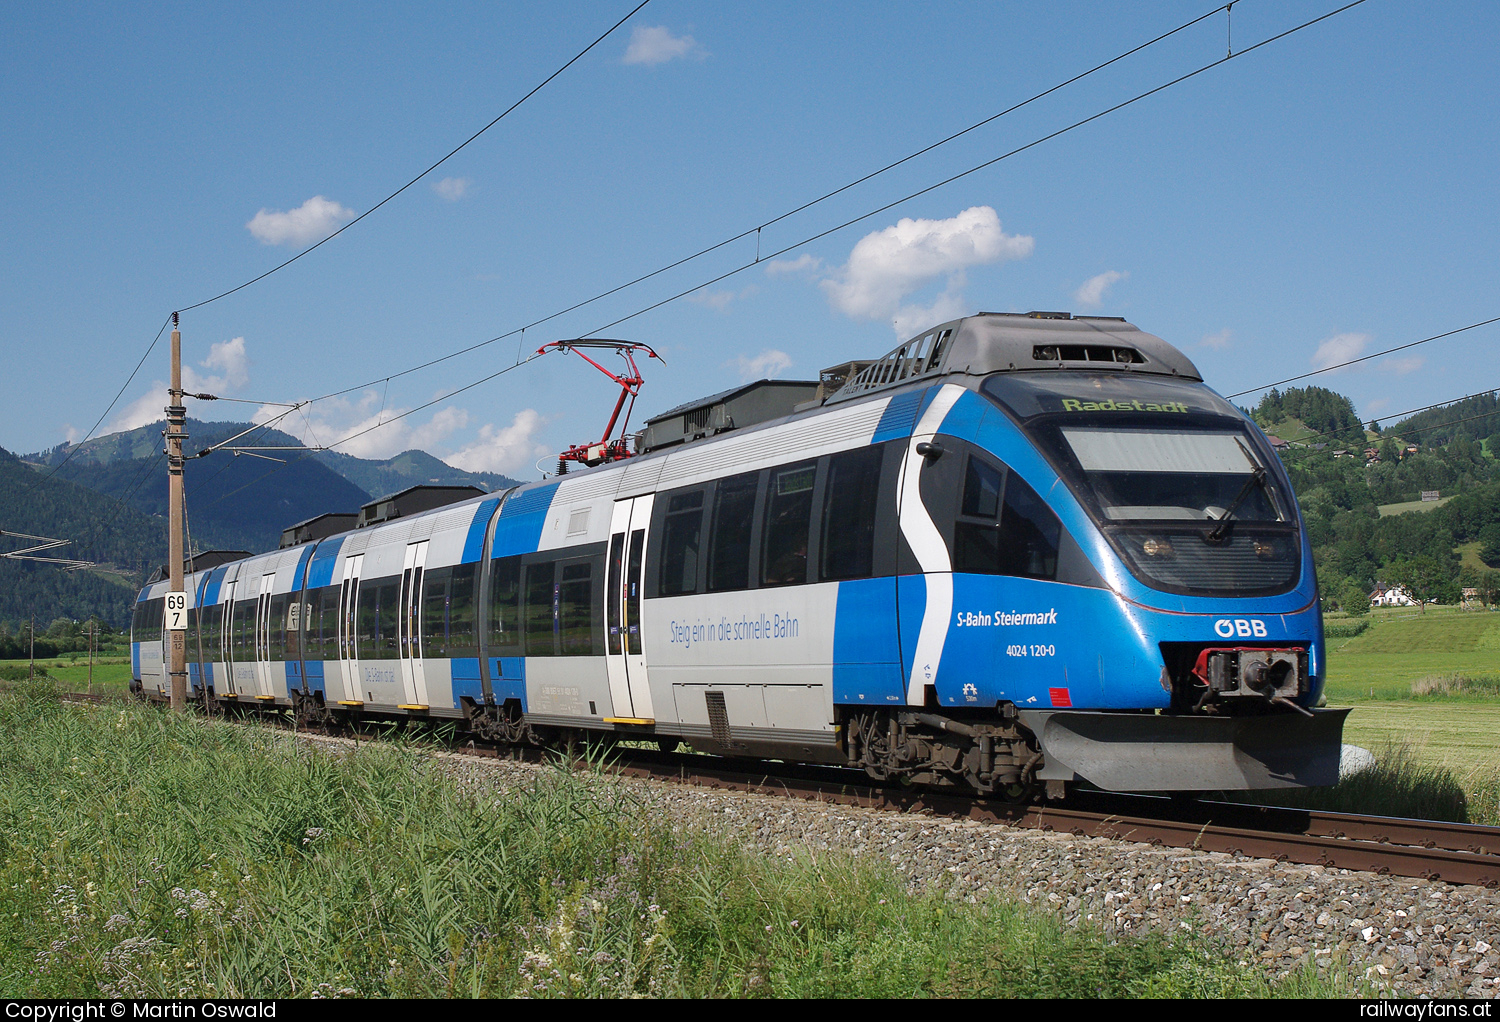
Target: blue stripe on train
{"x": 508, "y": 678}
{"x": 900, "y": 416}
{"x": 519, "y": 528}
{"x": 320, "y": 570}
{"x": 866, "y": 657}
{"x": 474, "y": 541}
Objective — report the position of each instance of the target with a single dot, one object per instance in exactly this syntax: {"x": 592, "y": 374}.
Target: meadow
{"x": 1425, "y": 689}
{"x": 148, "y": 854}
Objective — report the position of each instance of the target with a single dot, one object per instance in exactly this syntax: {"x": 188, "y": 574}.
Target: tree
{"x": 1488, "y": 585}
{"x": 1425, "y": 579}
{"x": 1374, "y": 426}
{"x": 1489, "y": 549}
{"x": 1389, "y": 453}
{"x": 1355, "y": 600}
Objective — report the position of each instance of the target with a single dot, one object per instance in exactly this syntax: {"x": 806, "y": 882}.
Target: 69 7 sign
{"x": 176, "y": 612}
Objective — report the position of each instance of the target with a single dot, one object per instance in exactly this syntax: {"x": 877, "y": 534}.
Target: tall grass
{"x": 147, "y": 854}
{"x": 1346, "y": 629}
{"x": 1449, "y": 685}
{"x": 1399, "y": 784}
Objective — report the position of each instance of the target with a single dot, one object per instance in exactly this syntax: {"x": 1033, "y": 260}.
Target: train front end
{"x": 1130, "y": 576}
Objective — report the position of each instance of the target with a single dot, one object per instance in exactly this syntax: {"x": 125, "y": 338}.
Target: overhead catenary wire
{"x": 280, "y": 266}
{"x": 1366, "y": 358}
{"x": 821, "y": 234}
{"x": 451, "y": 153}
{"x": 147, "y": 354}
{"x": 756, "y": 230}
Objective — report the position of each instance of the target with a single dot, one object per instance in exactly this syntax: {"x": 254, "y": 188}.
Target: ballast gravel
{"x": 1406, "y": 937}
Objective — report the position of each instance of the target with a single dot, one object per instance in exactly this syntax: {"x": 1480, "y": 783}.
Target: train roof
{"x": 999, "y": 342}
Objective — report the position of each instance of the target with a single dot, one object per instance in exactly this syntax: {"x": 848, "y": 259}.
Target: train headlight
{"x": 1157, "y": 548}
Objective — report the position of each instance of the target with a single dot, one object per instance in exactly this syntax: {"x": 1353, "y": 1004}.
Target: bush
{"x": 1355, "y": 600}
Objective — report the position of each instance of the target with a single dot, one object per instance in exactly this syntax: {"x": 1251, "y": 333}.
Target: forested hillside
{"x": 1441, "y": 450}
{"x": 123, "y": 541}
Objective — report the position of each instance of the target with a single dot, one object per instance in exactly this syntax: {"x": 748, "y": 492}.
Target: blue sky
{"x": 1331, "y": 194}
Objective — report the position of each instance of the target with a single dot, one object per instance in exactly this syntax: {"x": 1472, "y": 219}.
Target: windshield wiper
{"x": 1257, "y": 478}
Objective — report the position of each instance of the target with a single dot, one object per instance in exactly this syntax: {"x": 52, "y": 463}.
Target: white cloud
{"x": 452, "y": 188}
{"x": 1091, "y": 294}
{"x": 329, "y": 422}
{"x": 658, "y": 45}
{"x": 1219, "y": 341}
{"x": 312, "y": 221}
{"x": 886, "y": 266}
{"x": 233, "y": 372}
{"x": 509, "y": 451}
{"x": 1402, "y": 366}
{"x": 910, "y": 320}
{"x": 1338, "y": 349}
{"x": 767, "y": 365}
{"x": 229, "y": 358}
{"x": 144, "y": 410}
{"x": 804, "y": 263}
{"x": 719, "y": 300}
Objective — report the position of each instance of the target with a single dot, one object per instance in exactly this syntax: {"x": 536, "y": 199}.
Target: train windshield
{"x": 1187, "y": 492}
{"x": 1153, "y": 474}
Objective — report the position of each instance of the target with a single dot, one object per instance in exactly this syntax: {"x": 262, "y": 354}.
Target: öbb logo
{"x": 1245, "y": 628}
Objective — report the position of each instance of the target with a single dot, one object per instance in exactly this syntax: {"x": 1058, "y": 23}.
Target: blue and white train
{"x": 1018, "y": 551}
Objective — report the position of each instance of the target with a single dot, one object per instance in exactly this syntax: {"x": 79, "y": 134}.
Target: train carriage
{"x": 1017, "y": 551}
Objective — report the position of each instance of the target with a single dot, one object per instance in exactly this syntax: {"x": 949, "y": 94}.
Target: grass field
{"x": 1386, "y": 510}
{"x": 148, "y": 854}
{"x": 1374, "y": 673}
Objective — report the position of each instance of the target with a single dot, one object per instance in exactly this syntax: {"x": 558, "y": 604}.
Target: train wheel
{"x": 670, "y": 743}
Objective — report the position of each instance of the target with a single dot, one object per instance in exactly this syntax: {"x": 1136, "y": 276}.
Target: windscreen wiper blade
{"x": 1257, "y": 478}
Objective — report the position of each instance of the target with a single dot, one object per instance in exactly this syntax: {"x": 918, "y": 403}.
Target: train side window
{"x": 436, "y": 613}
{"x": 1031, "y": 533}
{"x": 278, "y": 627}
{"x": 208, "y": 634}
{"x": 851, "y": 499}
{"x": 682, "y": 531}
{"x": 243, "y": 649}
{"x": 612, "y": 593}
{"x": 389, "y": 609}
{"x": 463, "y": 611}
{"x": 788, "y": 522}
{"x": 576, "y": 610}
{"x": 328, "y": 622}
{"x": 541, "y": 608}
{"x": 733, "y": 517}
{"x": 976, "y": 534}
{"x": 505, "y": 605}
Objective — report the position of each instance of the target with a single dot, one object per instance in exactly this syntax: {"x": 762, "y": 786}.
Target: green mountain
{"x": 407, "y": 469}
{"x": 124, "y": 542}
{"x": 1328, "y": 414}
{"x": 1477, "y": 417}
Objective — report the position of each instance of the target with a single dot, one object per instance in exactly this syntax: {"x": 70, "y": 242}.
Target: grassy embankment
{"x": 1425, "y": 688}
{"x": 146, "y": 854}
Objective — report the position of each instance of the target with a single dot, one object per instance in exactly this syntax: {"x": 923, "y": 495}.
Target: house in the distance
{"x": 1390, "y": 596}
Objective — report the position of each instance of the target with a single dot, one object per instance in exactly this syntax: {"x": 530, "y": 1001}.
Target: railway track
{"x": 1432, "y": 850}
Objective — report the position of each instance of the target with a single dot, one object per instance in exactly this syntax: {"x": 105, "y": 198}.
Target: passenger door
{"x": 348, "y": 663}
{"x": 265, "y": 686}
{"x": 413, "y": 674}
{"x": 624, "y": 637}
